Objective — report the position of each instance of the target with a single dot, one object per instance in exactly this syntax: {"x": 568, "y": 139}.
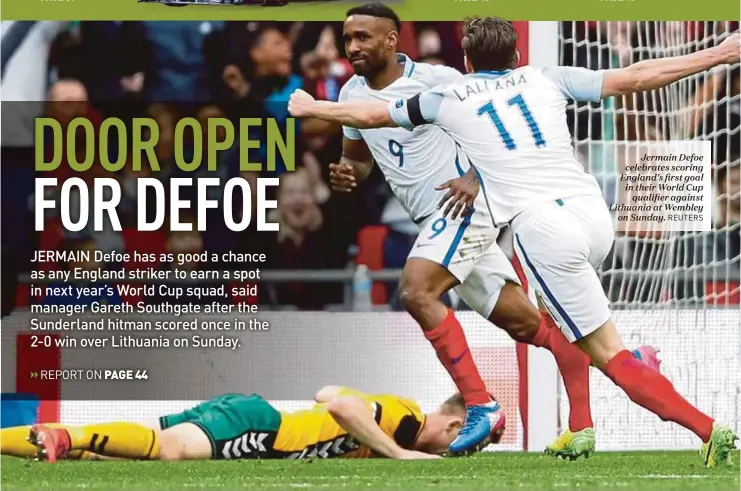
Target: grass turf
{"x": 624, "y": 471}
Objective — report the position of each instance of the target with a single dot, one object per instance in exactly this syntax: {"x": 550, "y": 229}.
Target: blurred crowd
{"x": 170, "y": 70}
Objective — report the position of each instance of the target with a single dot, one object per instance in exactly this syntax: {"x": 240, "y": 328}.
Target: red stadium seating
{"x": 237, "y": 299}
{"x": 143, "y": 242}
{"x": 22, "y": 296}
{"x": 49, "y": 240}
{"x": 370, "y": 253}
{"x": 722, "y": 293}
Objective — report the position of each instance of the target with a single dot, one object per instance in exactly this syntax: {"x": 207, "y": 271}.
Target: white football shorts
{"x": 559, "y": 245}
{"x": 467, "y": 248}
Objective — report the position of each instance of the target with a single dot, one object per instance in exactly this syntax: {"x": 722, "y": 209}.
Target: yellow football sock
{"x": 124, "y": 440}
{"x": 14, "y": 441}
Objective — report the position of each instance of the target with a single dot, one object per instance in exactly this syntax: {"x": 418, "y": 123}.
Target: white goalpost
{"x": 542, "y": 372}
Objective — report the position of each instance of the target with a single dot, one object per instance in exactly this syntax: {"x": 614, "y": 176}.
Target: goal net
{"x": 681, "y": 288}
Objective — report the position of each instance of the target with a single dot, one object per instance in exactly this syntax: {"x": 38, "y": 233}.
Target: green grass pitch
{"x": 489, "y": 471}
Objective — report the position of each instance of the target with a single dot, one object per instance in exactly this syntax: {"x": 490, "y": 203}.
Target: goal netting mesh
{"x": 685, "y": 284}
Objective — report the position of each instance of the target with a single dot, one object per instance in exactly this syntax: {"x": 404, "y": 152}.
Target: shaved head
{"x": 371, "y": 35}
{"x": 379, "y": 24}
{"x": 379, "y": 11}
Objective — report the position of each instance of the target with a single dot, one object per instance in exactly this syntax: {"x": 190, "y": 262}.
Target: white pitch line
{"x": 645, "y": 476}
{"x": 673, "y": 476}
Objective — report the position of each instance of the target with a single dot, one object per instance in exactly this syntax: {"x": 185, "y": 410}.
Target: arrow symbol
{"x": 34, "y": 374}
{"x": 225, "y": 452}
{"x": 322, "y": 453}
{"x": 336, "y": 446}
{"x": 235, "y": 448}
{"x": 245, "y": 448}
{"x": 261, "y": 438}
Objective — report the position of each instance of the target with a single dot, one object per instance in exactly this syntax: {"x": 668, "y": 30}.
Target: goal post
{"x": 542, "y": 372}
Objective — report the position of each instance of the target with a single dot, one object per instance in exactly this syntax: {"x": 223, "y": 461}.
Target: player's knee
{"x": 524, "y": 327}
{"x": 172, "y": 446}
{"x": 515, "y": 314}
{"x": 415, "y": 299}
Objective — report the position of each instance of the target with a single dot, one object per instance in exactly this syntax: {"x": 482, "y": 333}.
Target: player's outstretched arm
{"x": 654, "y": 74}
{"x": 354, "y": 416}
{"x": 355, "y": 114}
{"x": 327, "y": 393}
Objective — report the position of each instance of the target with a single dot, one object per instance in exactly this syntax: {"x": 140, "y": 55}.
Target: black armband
{"x": 415, "y": 113}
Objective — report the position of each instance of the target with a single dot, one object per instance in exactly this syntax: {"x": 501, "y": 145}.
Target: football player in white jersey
{"x": 414, "y": 163}
{"x": 451, "y": 251}
{"x": 511, "y": 123}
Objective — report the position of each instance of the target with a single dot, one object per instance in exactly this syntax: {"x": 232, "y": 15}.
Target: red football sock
{"x": 573, "y": 364}
{"x": 651, "y": 390}
{"x": 452, "y": 350}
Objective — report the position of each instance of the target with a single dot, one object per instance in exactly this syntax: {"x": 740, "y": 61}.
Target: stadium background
{"x": 685, "y": 287}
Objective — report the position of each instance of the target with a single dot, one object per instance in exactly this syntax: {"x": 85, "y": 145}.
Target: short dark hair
{"x": 490, "y": 43}
{"x": 377, "y": 9}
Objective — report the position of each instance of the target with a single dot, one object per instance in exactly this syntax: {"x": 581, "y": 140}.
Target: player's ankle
{"x": 541, "y": 338}
{"x": 707, "y": 434}
{"x": 576, "y": 428}
{"x": 477, "y": 399}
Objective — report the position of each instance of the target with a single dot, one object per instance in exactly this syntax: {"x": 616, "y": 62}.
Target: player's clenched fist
{"x": 731, "y": 47}
{"x": 299, "y": 105}
{"x": 342, "y": 177}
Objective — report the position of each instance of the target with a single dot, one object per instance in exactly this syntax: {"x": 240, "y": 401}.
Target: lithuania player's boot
{"x": 52, "y": 443}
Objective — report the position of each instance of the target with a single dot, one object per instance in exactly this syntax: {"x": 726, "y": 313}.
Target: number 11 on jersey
{"x": 489, "y": 110}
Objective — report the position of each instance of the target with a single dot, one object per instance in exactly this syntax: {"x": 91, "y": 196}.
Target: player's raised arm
{"x": 354, "y": 415}
{"x": 654, "y": 74}
{"x": 327, "y": 393}
{"x": 355, "y": 114}
{"x": 419, "y": 110}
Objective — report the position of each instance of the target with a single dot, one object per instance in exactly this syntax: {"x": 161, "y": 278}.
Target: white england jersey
{"x": 512, "y": 126}
{"x": 415, "y": 162}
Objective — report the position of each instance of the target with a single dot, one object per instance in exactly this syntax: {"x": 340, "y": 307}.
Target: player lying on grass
{"x": 343, "y": 423}
{"x": 511, "y": 123}
{"x": 451, "y": 250}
